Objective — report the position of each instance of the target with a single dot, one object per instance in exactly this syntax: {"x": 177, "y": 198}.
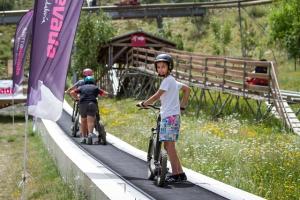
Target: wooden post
{"x": 146, "y": 66}
{"x": 137, "y": 58}
{"x": 9, "y": 68}
{"x": 190, "y": 70}
{"x": 132, "y": 56}
{"x": 109, "y": 56}
{"x": 205, "y": 70}
{"x": 127, "y": 58}
{"x": 244, "y": 78}
{"x": 224, "y": 71}
{"x": 176, "y": 67}
{"x": 159, "y": 21}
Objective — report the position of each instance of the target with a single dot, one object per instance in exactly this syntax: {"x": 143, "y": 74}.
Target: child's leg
{"x": 84, "y": 126}
{"x": 173, "y": 157}
{"x": 90, "y": 123}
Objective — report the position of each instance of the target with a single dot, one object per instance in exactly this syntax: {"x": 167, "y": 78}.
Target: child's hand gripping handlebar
{"x": 141, "y": 106}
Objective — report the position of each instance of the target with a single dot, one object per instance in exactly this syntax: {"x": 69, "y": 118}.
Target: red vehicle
{"x": 128, "y": 3}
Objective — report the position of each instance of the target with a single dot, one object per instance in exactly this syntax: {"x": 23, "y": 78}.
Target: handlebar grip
{"x": 148, "y": 106}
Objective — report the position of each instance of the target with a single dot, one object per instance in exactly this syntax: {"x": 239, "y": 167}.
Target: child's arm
{"x": 152, "y": 99}
{"x": 74, "y": 94}
{"x": 103, "y": 93}
{"x": 186, "y": 94}
{"x": 68, "y": 91}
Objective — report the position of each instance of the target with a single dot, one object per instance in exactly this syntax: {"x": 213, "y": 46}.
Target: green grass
{"x": 44, "y": 181}
{"x": 256, "y": 157}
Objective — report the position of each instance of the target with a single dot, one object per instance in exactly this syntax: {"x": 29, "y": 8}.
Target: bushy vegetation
{"x": 6, "y": 35}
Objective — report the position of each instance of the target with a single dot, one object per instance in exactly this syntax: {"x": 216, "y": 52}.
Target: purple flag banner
{"x": 21, "y": 40}
{"x": 54, "y": 26}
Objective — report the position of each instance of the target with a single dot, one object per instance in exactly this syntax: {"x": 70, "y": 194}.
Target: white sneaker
{"x": 83, "y": 140}
{"x": 92, "y": 135}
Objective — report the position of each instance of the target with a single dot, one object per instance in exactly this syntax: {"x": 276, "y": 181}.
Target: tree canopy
{"x": 94, "y": 30}
{"x": 285, "y": 26}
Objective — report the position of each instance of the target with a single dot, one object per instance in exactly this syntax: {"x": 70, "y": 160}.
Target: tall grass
{"x": 256, "y": 157}
{"x": 43, "y": 180}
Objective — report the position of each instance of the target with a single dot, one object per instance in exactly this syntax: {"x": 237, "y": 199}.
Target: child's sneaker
{"x": 92, "y": 135}
{"x": 176, "y": 178}
{"x": 172, "y": 178}
{"x": 83, "y": 140}
{"x": 182, "y": 176}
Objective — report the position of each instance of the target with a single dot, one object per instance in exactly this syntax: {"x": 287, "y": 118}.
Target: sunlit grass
{"x": 256, "y": 157}
{"x": 44, "y": 181}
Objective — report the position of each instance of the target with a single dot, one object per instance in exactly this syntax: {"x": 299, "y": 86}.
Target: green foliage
{"x": 6, "y": 5}
{"x": 6, "y": 34}
{"x": 257, "y": 12}
{"x": 200, "y": 24}
{"x": 285, "y": 26}
{"x": 167, "y": 33}
{"x": 149, "y": 1}
{"x": 23, "y": 4}
{"x": 222, "y": 36}
{"x": 94, "y": 31}
{"x": 249, "y": 39}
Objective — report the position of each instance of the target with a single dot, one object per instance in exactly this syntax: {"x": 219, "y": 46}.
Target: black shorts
{"x": 88, "y": 109}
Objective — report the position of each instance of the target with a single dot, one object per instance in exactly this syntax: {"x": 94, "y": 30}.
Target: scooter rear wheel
{"x": 75, "y": 127}
{"x": 162, "y": 170}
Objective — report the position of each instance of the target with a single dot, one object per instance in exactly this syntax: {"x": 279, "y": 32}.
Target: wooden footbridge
{"x": 216, "y": 80}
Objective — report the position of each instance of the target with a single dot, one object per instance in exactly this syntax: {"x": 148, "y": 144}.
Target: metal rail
{"x": 148, "y": 10}
{"x": 282, "y": 107}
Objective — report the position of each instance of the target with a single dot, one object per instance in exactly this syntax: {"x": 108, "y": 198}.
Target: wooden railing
{"x": 220, "y": 73}
{"x": 278, "y": 100}
{"x": 226, "y": 73}
{"x": 230, "y": 75}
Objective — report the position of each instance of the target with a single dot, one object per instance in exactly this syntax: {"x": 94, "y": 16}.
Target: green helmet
{"x": 89, "y": 80}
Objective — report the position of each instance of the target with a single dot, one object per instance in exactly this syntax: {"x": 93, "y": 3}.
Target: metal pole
{"x": 241, "y": 30}
{"x": 159, "y": 21}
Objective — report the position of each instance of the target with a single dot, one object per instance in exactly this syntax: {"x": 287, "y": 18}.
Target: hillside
{"x": 216, "y": 33}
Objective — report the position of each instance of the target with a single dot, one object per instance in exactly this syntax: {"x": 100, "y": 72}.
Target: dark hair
{"x": 259, "y": 69}
{"x": 164, "y": 58}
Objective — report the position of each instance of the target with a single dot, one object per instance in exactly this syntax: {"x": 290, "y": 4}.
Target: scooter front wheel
{"x": 150, "y": 160}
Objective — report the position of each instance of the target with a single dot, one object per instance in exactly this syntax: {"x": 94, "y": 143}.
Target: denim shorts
{"x": 169, "y": 128}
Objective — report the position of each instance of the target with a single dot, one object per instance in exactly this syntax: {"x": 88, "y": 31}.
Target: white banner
{"x": 6, "y": 90}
